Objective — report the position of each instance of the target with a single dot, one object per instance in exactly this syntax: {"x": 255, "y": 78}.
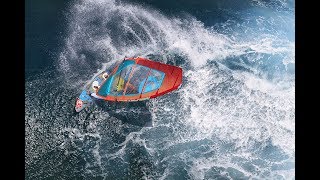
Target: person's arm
{"x": 95, "y": 95}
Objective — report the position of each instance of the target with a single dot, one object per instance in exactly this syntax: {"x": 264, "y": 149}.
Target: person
{"x": 95, "y": 95}
{"x": 105, "y": 75}
{"x": 95, "y": 86}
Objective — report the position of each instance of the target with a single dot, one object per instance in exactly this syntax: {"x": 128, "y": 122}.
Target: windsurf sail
{"x": 137, "y": 79}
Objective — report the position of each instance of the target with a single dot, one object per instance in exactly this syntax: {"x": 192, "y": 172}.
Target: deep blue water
{"x": 44, "y": 32}
{"x": 232, "y": 118}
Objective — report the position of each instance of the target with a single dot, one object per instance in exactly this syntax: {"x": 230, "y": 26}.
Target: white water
{"x": 233, "y": 114}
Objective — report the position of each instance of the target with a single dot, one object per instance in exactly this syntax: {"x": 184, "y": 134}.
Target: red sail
{"x": 138, "y": 79}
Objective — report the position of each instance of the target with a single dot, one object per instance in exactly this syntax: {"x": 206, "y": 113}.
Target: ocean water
{"x": 232, "y": 118}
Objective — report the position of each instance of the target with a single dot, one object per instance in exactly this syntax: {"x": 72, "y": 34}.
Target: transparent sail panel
{"x": 139, "y": 74}
{"x": 132, "y": 80}
{"x": 119, "y": 81}
{"x": 144, "y": 80}
{"x": 153, "y": 82}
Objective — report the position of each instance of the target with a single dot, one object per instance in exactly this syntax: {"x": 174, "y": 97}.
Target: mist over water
{"x": 232, "y": 118}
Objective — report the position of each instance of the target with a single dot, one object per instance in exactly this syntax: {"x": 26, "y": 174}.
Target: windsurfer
{"x": 95, "y": 86}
